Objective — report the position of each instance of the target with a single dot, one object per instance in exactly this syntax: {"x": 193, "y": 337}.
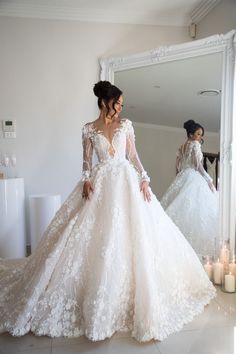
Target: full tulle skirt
{"x": 194, "y": 208}
{"x": 111, "y": 263}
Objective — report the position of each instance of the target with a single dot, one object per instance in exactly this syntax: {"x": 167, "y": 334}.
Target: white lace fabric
{"x": 106, "y": 150}
{"x": 190, "y": 155}
{"x": 111, "y": 263}
{"x": 191, "y": 204}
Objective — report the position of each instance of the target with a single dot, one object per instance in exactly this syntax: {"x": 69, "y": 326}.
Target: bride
{"x": 192, "y": 200}
{"x": 111, "y": 259}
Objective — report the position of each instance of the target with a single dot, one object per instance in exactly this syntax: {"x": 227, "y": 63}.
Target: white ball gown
{"x": 111, "y": 263}
{"x": 191, "y": 204}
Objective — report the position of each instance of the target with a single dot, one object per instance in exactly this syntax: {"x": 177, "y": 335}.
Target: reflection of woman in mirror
{"x": 192, "y": 200}
{"x": 111, "y": 260}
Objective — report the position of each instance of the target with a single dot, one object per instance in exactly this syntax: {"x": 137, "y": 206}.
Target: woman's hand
{"x": 145, "y": 190}
{"x": 87, "y": 190}
{"x": 212, "y": 187}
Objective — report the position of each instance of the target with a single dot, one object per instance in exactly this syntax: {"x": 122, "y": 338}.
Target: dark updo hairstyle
{"x": 106, "y": 92}
{"x": 191, "y": 127}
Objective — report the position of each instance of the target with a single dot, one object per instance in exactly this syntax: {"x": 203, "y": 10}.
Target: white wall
{"x": 47, "y": 71}
{"x": 157, "y": 147}
{"x": 221, "y": 19}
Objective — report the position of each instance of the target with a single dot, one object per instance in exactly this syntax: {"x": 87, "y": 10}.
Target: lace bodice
{"x": 122, "y": 146}
{"x": 190, "y": 155}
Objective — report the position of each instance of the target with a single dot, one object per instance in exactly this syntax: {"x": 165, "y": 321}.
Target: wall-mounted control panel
{"x": 9, "y": 129}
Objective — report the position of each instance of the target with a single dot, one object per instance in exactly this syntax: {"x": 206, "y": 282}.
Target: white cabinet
{"x": 12, "y": 218}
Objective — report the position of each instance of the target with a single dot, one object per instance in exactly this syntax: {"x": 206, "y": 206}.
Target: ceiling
{"x": 176, "y": 100}
{"x": 167, "y": 94}
{"x": 148, "y": 12}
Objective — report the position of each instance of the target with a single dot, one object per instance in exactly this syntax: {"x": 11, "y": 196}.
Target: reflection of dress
{"x": 190, "y": 202}
{"x": 112, "y": 263}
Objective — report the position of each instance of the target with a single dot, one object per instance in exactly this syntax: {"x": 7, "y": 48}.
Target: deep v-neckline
{"x": 101, "y": 132}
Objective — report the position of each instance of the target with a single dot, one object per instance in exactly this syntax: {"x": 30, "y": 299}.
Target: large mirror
{"x": 169, "y": 85}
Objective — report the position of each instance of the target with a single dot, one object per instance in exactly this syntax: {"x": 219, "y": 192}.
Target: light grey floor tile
{"x": 59, "y": 342}
{"x": 10, "y": 344}
{"x": 109, "y": 346}
{"x": 132, "y": 346}
{"x": 228, "y": 302}
{"x": 36, "y": 351}
{"x": 81, "y": 347}
{"x": 205, "y": 341}
{"x": 214, "y": 315}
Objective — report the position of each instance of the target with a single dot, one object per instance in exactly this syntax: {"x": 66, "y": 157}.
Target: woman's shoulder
{"x": 127, "y": 123}
{"x": 88, "y": 128}
{"x": 196, "y": 143}
{"x": 90, "y": 124}
{"x": 195, "y": 147}
{"x": 193, "y": 143}
{"x": 128, "y": 127}
{"x": 188, "y": 147}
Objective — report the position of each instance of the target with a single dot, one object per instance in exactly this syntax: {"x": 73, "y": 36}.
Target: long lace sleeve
{"x": 87, "y": 154}
{"x": 132, "y": 154}
{"x": 178, "y": 162}
{"x": 197, "y": 161}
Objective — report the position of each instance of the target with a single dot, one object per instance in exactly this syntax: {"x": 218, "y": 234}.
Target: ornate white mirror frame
{"x": 225, "y": 44}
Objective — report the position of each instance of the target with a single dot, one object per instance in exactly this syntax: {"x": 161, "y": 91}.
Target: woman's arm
{"x": 178, "y": 162}
{"x": 133, "y": 157}
{"x": 132, "y": 154}
{"x": 197, "y": 162}
{"x": 87, "y": 162}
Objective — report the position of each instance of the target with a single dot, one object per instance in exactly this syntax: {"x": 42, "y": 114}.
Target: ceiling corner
{"x": 202, "y": 9}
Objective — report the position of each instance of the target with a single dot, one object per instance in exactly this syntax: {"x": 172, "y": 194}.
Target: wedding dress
{"x": 191, "y": 204}
{"x": 111, "y": 263}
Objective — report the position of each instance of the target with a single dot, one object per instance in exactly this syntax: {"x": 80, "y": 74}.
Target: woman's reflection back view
{"x": 192, "y": 201}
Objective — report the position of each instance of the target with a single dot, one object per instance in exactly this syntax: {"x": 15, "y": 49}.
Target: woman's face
{"x": 197, "y": 135}
{"x": 118, "y": 106}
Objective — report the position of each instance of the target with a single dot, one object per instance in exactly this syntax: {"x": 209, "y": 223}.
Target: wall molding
{"x": 27, "y": 9}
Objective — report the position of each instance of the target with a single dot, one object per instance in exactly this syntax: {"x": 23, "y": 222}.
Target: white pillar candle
{"x": 224, "y": 257}
{"x": 218, "y": 272}
{"x": 209, "y": 269}
{"x": 230, "y": 283}
{"x": 232, "y": 268}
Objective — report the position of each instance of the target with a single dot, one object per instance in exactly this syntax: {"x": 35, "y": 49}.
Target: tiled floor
{"x": 213, "y": 332}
